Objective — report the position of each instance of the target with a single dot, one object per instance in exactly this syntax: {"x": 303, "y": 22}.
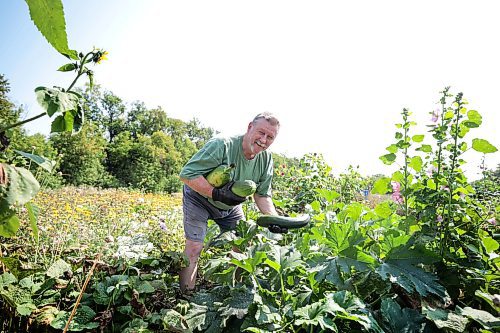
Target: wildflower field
{"x": 88, "y": 221}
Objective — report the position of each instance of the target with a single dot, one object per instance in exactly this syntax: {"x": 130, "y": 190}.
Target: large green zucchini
{"x": 220, "y": 176}
{"x": 284, "y": 221}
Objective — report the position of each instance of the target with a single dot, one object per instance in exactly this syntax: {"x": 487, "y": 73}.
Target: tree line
{"x": 120, "y": 145}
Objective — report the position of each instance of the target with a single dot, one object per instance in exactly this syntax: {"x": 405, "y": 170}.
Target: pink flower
{"x": 492, "y": 221}
{"x": 431, "y": 171}
{"x": 435, "y": 115}
{"x": 396, "y": 194}
{"x": 397, "y": 198}
{"x": 439, "y": 218}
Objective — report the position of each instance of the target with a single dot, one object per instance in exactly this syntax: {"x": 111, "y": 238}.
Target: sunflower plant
{"x": 63, "y": 105}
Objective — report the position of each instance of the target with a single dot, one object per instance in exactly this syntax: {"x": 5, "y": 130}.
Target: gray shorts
{"x": 197, "y": 211}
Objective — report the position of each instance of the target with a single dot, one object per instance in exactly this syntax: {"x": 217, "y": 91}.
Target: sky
{"x": 336, "y": 73}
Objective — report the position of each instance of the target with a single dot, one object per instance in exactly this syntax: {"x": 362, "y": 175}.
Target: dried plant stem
{"x": 87, "y": 280}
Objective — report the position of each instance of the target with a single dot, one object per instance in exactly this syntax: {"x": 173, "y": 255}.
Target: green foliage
{"x": 82, "y": 156}
{"x": 48, "y": 16}
{"x": 487, "y": 190}
{"x": 144, "y": 121}
{"x": 66, "y": 106}
{"x": 294, "y": 185}
{"x": 150, "y": 163}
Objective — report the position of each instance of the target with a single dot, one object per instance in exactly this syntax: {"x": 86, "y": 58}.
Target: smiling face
{"x": 259, "y": 136}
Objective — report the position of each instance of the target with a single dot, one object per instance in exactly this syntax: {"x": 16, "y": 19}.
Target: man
{"x": 252, "y": 162}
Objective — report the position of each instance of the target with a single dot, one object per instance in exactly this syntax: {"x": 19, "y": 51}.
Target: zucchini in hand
{"x": 284, "y": 221}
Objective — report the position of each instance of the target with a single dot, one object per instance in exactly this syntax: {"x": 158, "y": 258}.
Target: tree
{"x": 105, "y": 109}
{"x": 144, "y": 121}
{"x": 9, "y": 114}
{"x": 150, "y": 163}
{"x": 198, "y": 134}
{"x": 82, "y": 156}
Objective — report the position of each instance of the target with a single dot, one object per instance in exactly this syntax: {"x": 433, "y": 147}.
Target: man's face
{"x": 260, "y": 135}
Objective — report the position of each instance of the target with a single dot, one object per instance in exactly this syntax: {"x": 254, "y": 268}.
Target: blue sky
{"x": 336, "y": 73}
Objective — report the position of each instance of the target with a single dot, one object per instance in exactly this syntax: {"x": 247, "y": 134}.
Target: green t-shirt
{"x": 219, "y": 151}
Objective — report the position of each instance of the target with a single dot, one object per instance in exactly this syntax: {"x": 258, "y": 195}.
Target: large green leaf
{"x": 9, "y": 222}
{"x": 199, "y": 316}
{"x": 474, "y": 119}
{"x": 283, "y": 258}
{"x": 237, "y": 304}
{"x": 58, "y": 268}
{"x": 411, "y": 278}
{"x": 340, "y": 236}
{"x": 329, "y": 195}
{"x": 416, "y": 163}
{"x": 54, "y": 100}
{"x": 20, "y": 188}
{"x": 384, "y": 209}
{"x": 267, "y": 314}
{"x": 392, "y": 240}
{"x": 381, "y": 185}
{"x": 314, "y": 315}
{"x": 486, "y": 319}
{"x": 82, "y": 321}
{"x": 48, "y": 17}
{"x": 388, "y": 158}
{"x": 43, "y": 162}
{"x": 347, "y": 306}
{"x": 173, "y": 321}
{"x": 483, "y": 146}
{"x": 203, "y": 311}
{"x": 248, "y": 263}
{"x": 329, "y": 270}
{"x": 415, "y": 255}
{"x": 398, "y": 319}
{"x": 446, "y": 320}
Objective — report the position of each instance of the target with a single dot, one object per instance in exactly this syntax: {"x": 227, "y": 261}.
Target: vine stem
{"x": 23, "y": 122}
{"x": 87, "y": 280}
{"x": 80, "y": 73}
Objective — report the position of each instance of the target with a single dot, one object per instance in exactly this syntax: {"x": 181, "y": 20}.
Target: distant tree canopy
{"x": 120, "y": 145}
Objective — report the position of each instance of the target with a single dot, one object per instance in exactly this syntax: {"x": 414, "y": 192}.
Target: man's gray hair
{"x": 271, "y": 118}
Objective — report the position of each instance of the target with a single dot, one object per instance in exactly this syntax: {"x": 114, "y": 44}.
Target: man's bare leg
{"x": 187, "y": 276}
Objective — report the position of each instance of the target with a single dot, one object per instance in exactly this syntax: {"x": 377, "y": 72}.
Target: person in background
{"x": 201, "y": 201}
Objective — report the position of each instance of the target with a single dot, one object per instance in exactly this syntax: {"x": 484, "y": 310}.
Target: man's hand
{"x": 225, "y": 195}
{"x": 277, "y": 229}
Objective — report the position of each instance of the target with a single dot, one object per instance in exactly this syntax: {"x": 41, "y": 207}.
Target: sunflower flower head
{"x": 99, "y": 55}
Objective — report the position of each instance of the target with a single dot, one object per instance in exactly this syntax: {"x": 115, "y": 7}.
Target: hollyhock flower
{"x": 396, "y": 194}
{"x": 432, "y": 169}
{"x": 397, "y": 198}
{"x": 492, "y": 221}
{"x": 435, "y": 115}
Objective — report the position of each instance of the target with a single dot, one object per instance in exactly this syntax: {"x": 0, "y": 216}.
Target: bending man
{"x": 201, "y": 201}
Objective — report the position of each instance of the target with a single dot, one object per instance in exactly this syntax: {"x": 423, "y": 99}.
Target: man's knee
{"x": 193, "y": 249}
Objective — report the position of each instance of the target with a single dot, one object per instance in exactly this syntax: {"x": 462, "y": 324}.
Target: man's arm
{"x": 265, "y": 205}
{"x": 200, "y": 185}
